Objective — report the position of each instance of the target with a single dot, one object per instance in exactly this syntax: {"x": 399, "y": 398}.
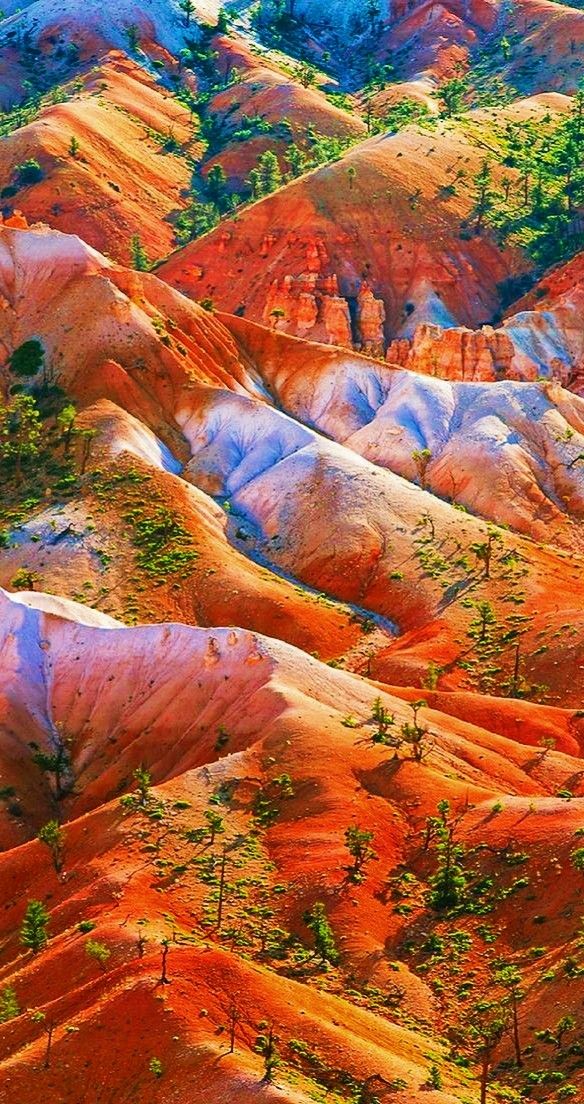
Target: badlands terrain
{"x": 291, "y": 552}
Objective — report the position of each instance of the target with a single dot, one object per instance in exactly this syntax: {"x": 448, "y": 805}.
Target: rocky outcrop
{"x": 457, "y": 354}
{"x": 370, "y": 320}
{"x": 310, "y": 306}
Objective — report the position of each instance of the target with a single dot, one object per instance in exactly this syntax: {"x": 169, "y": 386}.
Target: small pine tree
{"x": 133, "y": 37}
{"x": 140, "y": 259}
{"x": 324, "y": 942}
{"x": 215, "y": 183}
{"x": 421, "y": 458}
{"x": 265, "y": 1045}
{"x": 384, "y": 721}
{"x": 296, "y": 159}
{"x": 20, "y": 432}
{"x": 305, "y": 73}
{"x": 33, "y": 933}
{"x": 53, "y": 837}
{"x": 448, "y": 884}
{"x": 9, "y": 1007}
{"x": 215, "y": 824}
{"x": 452, "y": 94}
{"x": 143, "y": 780}
{"x": 66, "y": 424}
{"x": 188, "y": 7}
{"x": 415, "y": 734}
{"x": 509, "y": 977}
{"x": 434, "y": 1078}
{"x": 56, "y": 763}
{"x": 577, "y": 859}
{"x": 266, "y": 177}
{"x": 73, "y": 146}
{"x": 155, "y": 1066}
{"x": 357, "y": 842}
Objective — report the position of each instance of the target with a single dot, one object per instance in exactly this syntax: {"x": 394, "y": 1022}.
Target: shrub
{"x": 29, "y": 172}
{"x": 27, "y": 359}
{"x": 9, "y": 1007}
{"x": 155, "y": 1066}
{"x": 99, "y": 951}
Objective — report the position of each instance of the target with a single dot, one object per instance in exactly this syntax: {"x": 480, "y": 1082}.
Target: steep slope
{"x": 291, "y": 550}
{"x": 358, "y": 251}
{"x": 365, "y": 1016}
{"x": 541, "y": 337}
{"x": 547, "y": 39}
{"x": 265, "y": 106}
{"x": 479, "y": 438}
{"x": 104, "y": 171}
{"x": 103, "y": 25}
{"x": 192, "y": 402}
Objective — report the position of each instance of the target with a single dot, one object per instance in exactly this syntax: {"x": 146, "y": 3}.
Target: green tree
{"x": 296, "y": 159}
{"x": 215, "y": 824}
{"x": 196, "y": 220}
{"x": 384, "y": 721}
{"x": 484, "y": 197}
{"x": 505, "y": 47}
{"x": 509, "y": 977}
{"x": 140, "y": 259}
{"x": 555, "y": 1037}
{"x": 20, "y": 432}
{"x": 100, "y": 952}
{"x": 316, "y": 921}
{"x": 416, "y": 735}
{"x": 266, "y": 1045}
{"x": 435, "y": 1078}
{"x": 27, "y": 359}
{"x": 132, "y": 37}
{"x": 56, "y": 762}
{"x": 357, "y": 842}
{"x": 484, "y": 550}
{"x": 421, "y": 458}
{"x": 448, "y": 884}
{"x": 143, "y": 779}
{"x": 451, "y": 94}
{"x": 29, "y": 172}
{"x": 373, "y": 13}
{"x": 305, "y": 73}
{"x": 53, "y": 837}
{"x": 188, "y": 7}
{"x": 215, "y": 184}
{"x": 483, "y": 622}
{"x": 266, "y": 177}
{"x": 33, "y": 932}
{"x": 66, "y": 424}
{"x": 488, "y": 1023}
{"x": 577, "y": 858}
{"x": 9, "y": 1007}
{"x": 73, "y": 146}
